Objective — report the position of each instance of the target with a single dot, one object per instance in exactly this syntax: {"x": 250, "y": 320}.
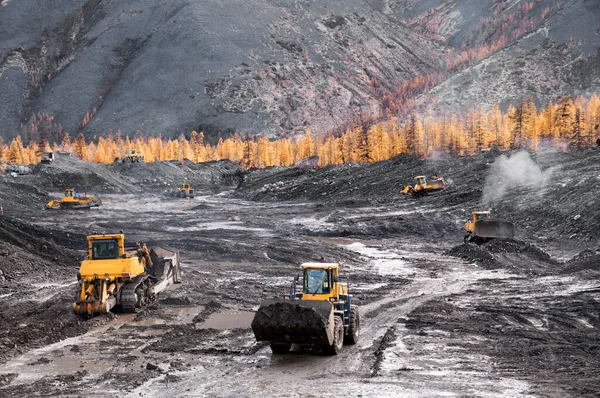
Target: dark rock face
{"x": 167, "y": 67}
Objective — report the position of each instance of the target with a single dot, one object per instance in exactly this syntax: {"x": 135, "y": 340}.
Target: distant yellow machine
{"x": 186, "y": 191}
{"x": 132, "y": 156}
{"x": 423, "y": 186}
{"x": 114, "y": 276}
{"x": 73, "y": 200}
{"x": 482, "y": 228}
{"x": 321, "y": 315}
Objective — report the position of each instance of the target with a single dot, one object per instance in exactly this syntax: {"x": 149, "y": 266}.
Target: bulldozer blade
{"x": 294, "y": 321}
{"x": 494, "y": 229}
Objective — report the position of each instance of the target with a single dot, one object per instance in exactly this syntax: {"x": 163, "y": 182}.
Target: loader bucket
{"x": 294, "y": 321}
{"x": 494, "y": 229}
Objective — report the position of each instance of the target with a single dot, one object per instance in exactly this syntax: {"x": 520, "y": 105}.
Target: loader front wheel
{"x": 353, "y": 331}
{"x": 280, "y": 348}
{"x": 338, "y": 338}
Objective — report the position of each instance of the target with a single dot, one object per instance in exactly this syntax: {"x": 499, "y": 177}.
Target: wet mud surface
{"x": 439, "y": 318}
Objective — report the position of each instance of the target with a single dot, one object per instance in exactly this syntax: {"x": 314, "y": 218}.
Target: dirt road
{"x": 432, "y": 324}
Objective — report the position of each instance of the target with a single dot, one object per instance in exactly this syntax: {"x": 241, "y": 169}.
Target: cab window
{"x": 316, "y": 281}
{"x": 104, "y": 249}
{"x": 479, "y": 217}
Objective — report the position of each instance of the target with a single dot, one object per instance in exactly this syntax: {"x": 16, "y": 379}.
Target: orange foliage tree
{"x": 568, "y": 123}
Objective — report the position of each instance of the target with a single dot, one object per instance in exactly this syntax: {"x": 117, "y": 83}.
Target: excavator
{"x": 482, "y": 228}
{"x": 73, "y": 200}
{"x": 322, "y": 315}
{"x": 128, "y": 278}
{"x": 186, "y": 191}
{"x": 422, "y": 186}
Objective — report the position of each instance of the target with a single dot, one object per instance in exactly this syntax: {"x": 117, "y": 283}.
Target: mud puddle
{"x": 227, "y": 320}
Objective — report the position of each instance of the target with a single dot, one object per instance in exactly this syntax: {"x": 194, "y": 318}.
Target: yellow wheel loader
{"x": 73, "y": 200}
{"x": 186, "y": 191}
{"x": 482, "y": 228}
{"x": 423, "y": 186}
{"x": 132, "y": 156}
{"x": 116, "y": 276}
{"x": 321, "y": 315}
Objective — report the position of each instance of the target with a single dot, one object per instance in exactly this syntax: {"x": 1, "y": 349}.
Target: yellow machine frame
{"x": 185, "y": 188}
{"x": 477, "y": 216}
{"x": 106, "y": 272}
{"x": 337, "y": 288}
{"x": 423, "y": 185}
{"x": 70, "y": 198}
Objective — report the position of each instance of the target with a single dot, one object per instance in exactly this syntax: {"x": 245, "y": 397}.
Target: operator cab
{"x": 317, "y": 281}
{"x": 482, "y": 215}
{"x": 319, "y": 278}
{"x": 105, "y": 249}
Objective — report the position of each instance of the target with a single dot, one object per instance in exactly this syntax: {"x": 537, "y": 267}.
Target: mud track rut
{"x": 196, "y": 341}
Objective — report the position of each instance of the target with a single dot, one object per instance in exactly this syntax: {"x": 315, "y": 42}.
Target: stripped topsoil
{"x": 511, "y": 317}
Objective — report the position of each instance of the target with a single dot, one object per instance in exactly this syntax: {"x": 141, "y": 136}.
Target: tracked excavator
{"x": 127, "y": 278}
{"x": 423, "y": 186}
{"x": 482, "y": 228}
{"x": 322, "y": 315}
{"x": 73, "y": 200}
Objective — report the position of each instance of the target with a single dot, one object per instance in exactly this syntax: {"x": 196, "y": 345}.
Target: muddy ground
{"x": 439, "y": 318}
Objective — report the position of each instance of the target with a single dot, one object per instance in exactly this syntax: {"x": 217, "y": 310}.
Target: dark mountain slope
{"x": 172, "y": 66}
{"x": 166, "y": 67}
{"x": 556, "y": 55}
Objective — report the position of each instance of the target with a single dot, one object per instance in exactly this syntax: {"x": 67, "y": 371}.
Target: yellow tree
{"x": 66, "y": 143}
{"x": 564, "y": 117}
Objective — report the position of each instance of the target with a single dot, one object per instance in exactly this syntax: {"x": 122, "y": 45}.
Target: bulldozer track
{"x": 130, "y": 300}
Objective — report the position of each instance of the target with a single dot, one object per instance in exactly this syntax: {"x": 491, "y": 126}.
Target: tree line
{"x": 568, "y": 123}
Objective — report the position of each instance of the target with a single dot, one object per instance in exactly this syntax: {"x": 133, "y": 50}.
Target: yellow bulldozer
{"x": 128, "y": 278}
{"x": 322, "y": 315}
{"x": 73, "y": 200}
{"x": 186, "y": 191}
{"x": 423, "y": 186}
{"x": 482, "y": 228}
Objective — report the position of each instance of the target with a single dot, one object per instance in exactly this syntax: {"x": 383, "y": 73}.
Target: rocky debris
{"x": 33, "y": 191}
{"x": 236, "y": 253}
{"x": 29, "y": 251}
{"x": 516, "y": 256}
{"x": 533, "y": 211}
{"x": 586, "y": 260}
{"x": 150, "y": 366}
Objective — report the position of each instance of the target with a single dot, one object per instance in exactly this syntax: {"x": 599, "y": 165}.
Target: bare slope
{"x": 560, "y": 56}
{"x": 177, "y": 65}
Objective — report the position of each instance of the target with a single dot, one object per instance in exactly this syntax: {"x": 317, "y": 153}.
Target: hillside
{"x": 278, "y": 67}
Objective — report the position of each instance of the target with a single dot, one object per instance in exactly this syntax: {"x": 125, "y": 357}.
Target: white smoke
{"x": 518, "y": 171}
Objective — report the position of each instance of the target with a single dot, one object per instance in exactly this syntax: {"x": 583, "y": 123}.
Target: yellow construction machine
{"x": 423, "y": 186}
{"x": 116, "y": 276}
{"x": 186, "y": 191}
{"x": 322, "y": 315}
{"x": 132, "y": 156}
{"x": 73, "y": 200}
{"x": 482, "y": 228}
